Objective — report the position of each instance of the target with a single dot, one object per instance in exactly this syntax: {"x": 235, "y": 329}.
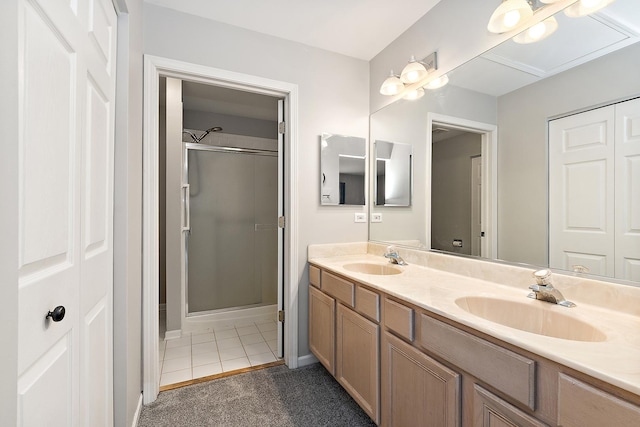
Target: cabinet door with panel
{"x": 322, "y": 310}
{"x": 416, "y": 390}
{"x": 357, "y": 360}
{"x": 491, "y": 411}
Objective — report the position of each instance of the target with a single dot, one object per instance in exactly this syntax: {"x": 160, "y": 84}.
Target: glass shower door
{"x": 231, "y": 248}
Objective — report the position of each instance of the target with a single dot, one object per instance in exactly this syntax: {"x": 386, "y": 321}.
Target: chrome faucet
{"x": 544, "y": 290}
{"x": 394, "y": 257}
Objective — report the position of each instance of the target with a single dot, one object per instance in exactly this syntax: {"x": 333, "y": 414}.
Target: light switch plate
{"x": 376, "y": 217}
{"x": 360, "y": 217}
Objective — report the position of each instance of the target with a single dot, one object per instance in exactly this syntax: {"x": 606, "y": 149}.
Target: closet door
{"x": 581, "y": 198}
{"x": 627, "y": 165}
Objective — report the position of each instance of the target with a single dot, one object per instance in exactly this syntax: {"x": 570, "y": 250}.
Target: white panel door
{"x": 581, "y": 196}
{"x": 66, "y": 133}
{"x": 627, "y": 165}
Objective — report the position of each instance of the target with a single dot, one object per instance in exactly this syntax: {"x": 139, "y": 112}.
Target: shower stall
{"x": 230, "y": 216}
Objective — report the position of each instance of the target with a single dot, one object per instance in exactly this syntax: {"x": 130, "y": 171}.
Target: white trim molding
{"x": 154, "y": 68}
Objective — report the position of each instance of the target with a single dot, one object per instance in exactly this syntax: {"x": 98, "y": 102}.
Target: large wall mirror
{"x": 476, "y": 198}
{"x": 342, "y": 170}
{"x": 393, "y": 172}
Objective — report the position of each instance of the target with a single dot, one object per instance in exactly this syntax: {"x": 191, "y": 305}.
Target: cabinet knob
{"x": 57, "y": 314}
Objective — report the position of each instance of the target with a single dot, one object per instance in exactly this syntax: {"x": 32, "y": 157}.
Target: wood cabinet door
{"x": 357, "y": 360}
{"x": 416, "y": 390}
{"x": 491, "y": 411}
{"x": 322, "y": 336}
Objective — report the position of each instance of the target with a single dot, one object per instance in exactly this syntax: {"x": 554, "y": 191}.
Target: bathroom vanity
{"x": 450, "y": 341}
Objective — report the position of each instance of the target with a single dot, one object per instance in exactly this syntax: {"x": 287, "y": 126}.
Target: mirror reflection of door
{"x": 456, "y": 191}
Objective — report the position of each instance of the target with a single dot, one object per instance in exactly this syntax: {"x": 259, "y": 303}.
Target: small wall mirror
{"x": 393, "y": 168}
{"x": 343, "y": 163}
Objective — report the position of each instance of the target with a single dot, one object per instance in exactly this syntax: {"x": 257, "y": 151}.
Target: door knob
{"x": 57, "y": 314}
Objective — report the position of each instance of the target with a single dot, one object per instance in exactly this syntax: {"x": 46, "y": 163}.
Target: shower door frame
{"x": 187, "y": 212}
{"x": 154, "y": 68}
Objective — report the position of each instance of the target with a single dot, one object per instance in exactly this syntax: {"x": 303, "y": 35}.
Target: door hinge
{"x": 281, "y": 316}
{"x": 281, "y": 221}
{"x": 281, "y": 127}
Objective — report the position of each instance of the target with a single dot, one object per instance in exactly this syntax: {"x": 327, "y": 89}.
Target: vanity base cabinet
{"x": 491, "y": 411}
{"x": 357, "y": 358}
{"x": 416, "y": 390}
{"x": 322, "y": 338}
{"x": 581, "y": 405}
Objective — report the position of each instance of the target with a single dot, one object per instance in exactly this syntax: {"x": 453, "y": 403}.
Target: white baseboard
{"x": 170, "y": 335}
{"x": 305, "y": 360}
{"x": 136, "y": 415}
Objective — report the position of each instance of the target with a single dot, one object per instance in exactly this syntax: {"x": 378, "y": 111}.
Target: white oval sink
{"x": 372, "y": 268}
{"x": 533, "y": 317}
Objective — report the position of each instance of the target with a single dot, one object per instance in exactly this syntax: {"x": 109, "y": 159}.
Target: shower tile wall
{"x": 224, "y": 348}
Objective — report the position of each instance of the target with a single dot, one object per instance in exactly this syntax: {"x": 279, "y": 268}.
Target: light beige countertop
{"x": 612, "y": 308}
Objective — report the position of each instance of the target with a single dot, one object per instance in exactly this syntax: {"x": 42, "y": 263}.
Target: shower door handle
{"x": 187, "y": 208}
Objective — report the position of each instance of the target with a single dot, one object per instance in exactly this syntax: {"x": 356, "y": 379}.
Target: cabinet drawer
{"x": 314, "y": 276}
{"x": 489, "y": 411}
{"x": 503, "y": 369}
{"x": 368, "y": 303}
{"x": 399, "y": 319}
{"x": 338, "y": 288}
{"x": 582, "y": 405}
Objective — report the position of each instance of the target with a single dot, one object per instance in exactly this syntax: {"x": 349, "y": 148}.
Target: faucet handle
{"x": 391, "y": 249}
{"x": 543, "y": 277}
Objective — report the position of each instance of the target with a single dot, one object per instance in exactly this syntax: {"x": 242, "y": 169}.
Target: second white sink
{"x": 534, "y": 317}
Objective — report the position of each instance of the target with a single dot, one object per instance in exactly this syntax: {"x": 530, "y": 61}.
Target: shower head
{"x": 206, "y": 132}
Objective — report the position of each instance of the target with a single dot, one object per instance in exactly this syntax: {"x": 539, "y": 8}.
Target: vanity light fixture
{"x": 508, "y": 15}
{"x": 537, "y": 32}
{"x": 586, "y": 7}
{"x": 413, "y": 71}
{"x": 437, "y": 83}
{"x": 392, "y": 85}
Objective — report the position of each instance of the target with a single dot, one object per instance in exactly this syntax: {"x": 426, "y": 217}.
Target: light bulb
{"x": 537, "y": 30}
{"x": 511, "y": 18}
{"x": 437, "y": 83}
{"x": 414, "y": 94}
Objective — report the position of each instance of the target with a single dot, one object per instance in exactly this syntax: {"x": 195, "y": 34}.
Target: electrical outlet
{"x": 360, "y": 217}
{"x": 376, "y": 217}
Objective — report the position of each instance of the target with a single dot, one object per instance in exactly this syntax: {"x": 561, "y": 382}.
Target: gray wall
{"x": 333, "y": 95}
{"x": 232, "y": 124}
{"x": 127, "y": 237}
{"x": 522, "y": 144}
{"x": 451, "y": 191}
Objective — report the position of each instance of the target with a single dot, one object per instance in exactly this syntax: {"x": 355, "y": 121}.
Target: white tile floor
{"x": 221, "y": 349}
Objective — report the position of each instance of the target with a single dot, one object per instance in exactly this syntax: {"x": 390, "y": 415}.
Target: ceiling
{"x": 356, "y": 28}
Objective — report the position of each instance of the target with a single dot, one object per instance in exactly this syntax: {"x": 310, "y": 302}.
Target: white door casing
{"x": 66, "y": 113}
{"x": 489, "y": 173}
{"x": 594, "y": 213}
{"x": 154, "y": 68}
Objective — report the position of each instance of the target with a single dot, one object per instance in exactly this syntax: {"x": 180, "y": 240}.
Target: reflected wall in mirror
{"x": 393, "y": 172}
{"x": 342, "y": 170}
{"x": 588, "y": 62}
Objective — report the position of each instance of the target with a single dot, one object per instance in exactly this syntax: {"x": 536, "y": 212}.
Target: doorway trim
{"x": 154, "y": 68}
{"x": 489, "y": 140}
